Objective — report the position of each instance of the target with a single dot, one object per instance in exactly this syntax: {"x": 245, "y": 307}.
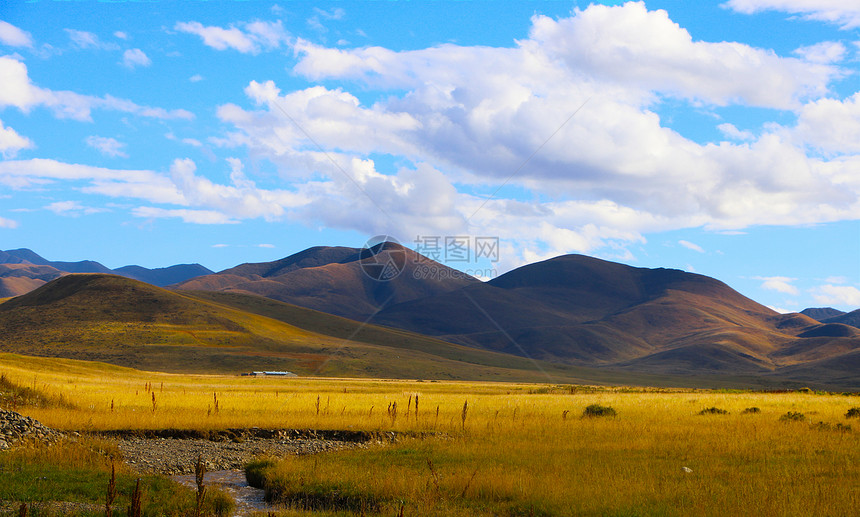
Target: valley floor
{"x": 476, "y": 448}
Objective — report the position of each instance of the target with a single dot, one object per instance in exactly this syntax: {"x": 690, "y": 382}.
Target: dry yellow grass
{"x": 522, "y": 449}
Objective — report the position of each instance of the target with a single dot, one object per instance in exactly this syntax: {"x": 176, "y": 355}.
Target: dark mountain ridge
{"x": 29, "y": 279}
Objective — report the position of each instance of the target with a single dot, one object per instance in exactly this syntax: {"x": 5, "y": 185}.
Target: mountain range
{"x": 588, "y": 317}
{"x": 23, "y": 270}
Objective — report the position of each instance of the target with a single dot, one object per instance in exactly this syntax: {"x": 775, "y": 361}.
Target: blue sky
{"x": 717, "y": 137}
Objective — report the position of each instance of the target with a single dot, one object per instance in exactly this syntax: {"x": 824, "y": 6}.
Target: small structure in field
{"x": 268, "y": 374}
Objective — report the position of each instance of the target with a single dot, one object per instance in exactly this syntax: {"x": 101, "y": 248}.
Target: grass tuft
{"x": 793, "y": 416}
{"x": 596, "y": 410}
{"x": 713, "y": 411}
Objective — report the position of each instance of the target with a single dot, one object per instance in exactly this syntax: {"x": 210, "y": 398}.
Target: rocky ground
{"x": 179, "y": 455}
{"x": 17, "y": 429}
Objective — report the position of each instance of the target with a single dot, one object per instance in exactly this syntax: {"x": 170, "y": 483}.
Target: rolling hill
{"x": 125, "y": 322}
{"x": 585, "y": 311}
{"x": 338, "y": 280}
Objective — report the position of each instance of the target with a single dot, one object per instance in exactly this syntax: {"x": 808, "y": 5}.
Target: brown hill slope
{"x": 335, "y": 279}
{"x": 125, "y": 322}
{"x": 20, "y": 278}
{"x": 585, "y": 311}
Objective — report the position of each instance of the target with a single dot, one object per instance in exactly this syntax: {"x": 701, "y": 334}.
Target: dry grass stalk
{"x": 111, "y": 490}
{"x": 199, "y": 473}
{"x": 135, "y": 509}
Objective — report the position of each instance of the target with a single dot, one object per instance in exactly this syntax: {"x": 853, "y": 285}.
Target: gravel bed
{"x": 179, "y": 456}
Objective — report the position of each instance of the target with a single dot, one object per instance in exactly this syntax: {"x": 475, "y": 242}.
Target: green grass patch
{"x": 79, "y": 472}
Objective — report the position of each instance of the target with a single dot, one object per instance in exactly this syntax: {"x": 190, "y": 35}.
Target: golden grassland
{"x": 494, "y": 448}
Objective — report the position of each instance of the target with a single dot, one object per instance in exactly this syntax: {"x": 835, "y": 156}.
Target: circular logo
{"x": 382, "y": 258}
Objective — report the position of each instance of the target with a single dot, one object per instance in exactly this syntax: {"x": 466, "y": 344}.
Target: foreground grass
{"x": 496, "y": 449}
{"x": 78, "y": 472}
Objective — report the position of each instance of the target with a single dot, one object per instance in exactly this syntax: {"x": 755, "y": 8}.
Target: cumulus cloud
{"x": 831, "y": 125}
{"x": 780, "y": 284}
{"x": 661, "y": 56}
{"x": 610, "y": 171}
{"x": 19, "y": 91}
{"x": 8, "y": 223}
{"x": 13, "y": 36}
{"x": 839, "y": 295}
{"x": 107, "y": 146}
{"x": 247, "y": 38}
{"x": 11, "y": 142}
{"x": 839, "y": 12}
{"x": 135, "y": 57}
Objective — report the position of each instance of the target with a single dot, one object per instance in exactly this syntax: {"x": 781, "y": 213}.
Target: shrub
{"x": 713, "y": 411}
{"x": 594, "y": 410}
{"x": 793, "y": 416}
{"x": 853, "y": 413}
{"x": 750, "y": 410}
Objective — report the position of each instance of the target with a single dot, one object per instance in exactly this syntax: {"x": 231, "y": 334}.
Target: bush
{"x": 793, "y": 416}
{"x": 713, "y": 411}
{"x": 853, "y": 413}
{"x": 750, "y": 410}
{"x": 594, "y": 410}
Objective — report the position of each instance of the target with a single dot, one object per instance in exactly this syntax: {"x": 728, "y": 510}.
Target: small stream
{"x": 248, "y": 499}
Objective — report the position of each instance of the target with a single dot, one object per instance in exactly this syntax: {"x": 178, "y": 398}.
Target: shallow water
{"x": 248, "y": 499}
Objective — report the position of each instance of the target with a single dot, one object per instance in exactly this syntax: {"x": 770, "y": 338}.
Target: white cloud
{"x": 188, "y": 216}
{"x": 780, "y": 284}
{"x": 780, "y": 309}
{"x": 661, "y": 56}
{"x": 314, "y": 22}
{"x": 13, "y": 36}
{"x": 831, "y": 125}
{"x": 121, "y": 35}
{"x": 72, "y": 209}
{"x": 196, "y": 78}
{"x": 265, "y": 245}
{"x": 825, "y": 52}
{"x": 107, "y": 146}
{"x": 88, "y": 40}
{"x": 335, "y": 13}
{"x": 20, "y": 92}
{"x": 11, "y": 142}
{"x": 691, "y": 246}
{"x": 839, "y": 295}
{"x": 836, "y": 280}
{"x": 478, "y": 113}
{"x": 251, "y": 38}
{"x": 730, "y": 131}
{"x": 220, "y": 245}
{"x": 609, "y": 173}
{"x": 8, "y": 223}
{"x": 845, "y": 14}
{"x": 135, "y": 57}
